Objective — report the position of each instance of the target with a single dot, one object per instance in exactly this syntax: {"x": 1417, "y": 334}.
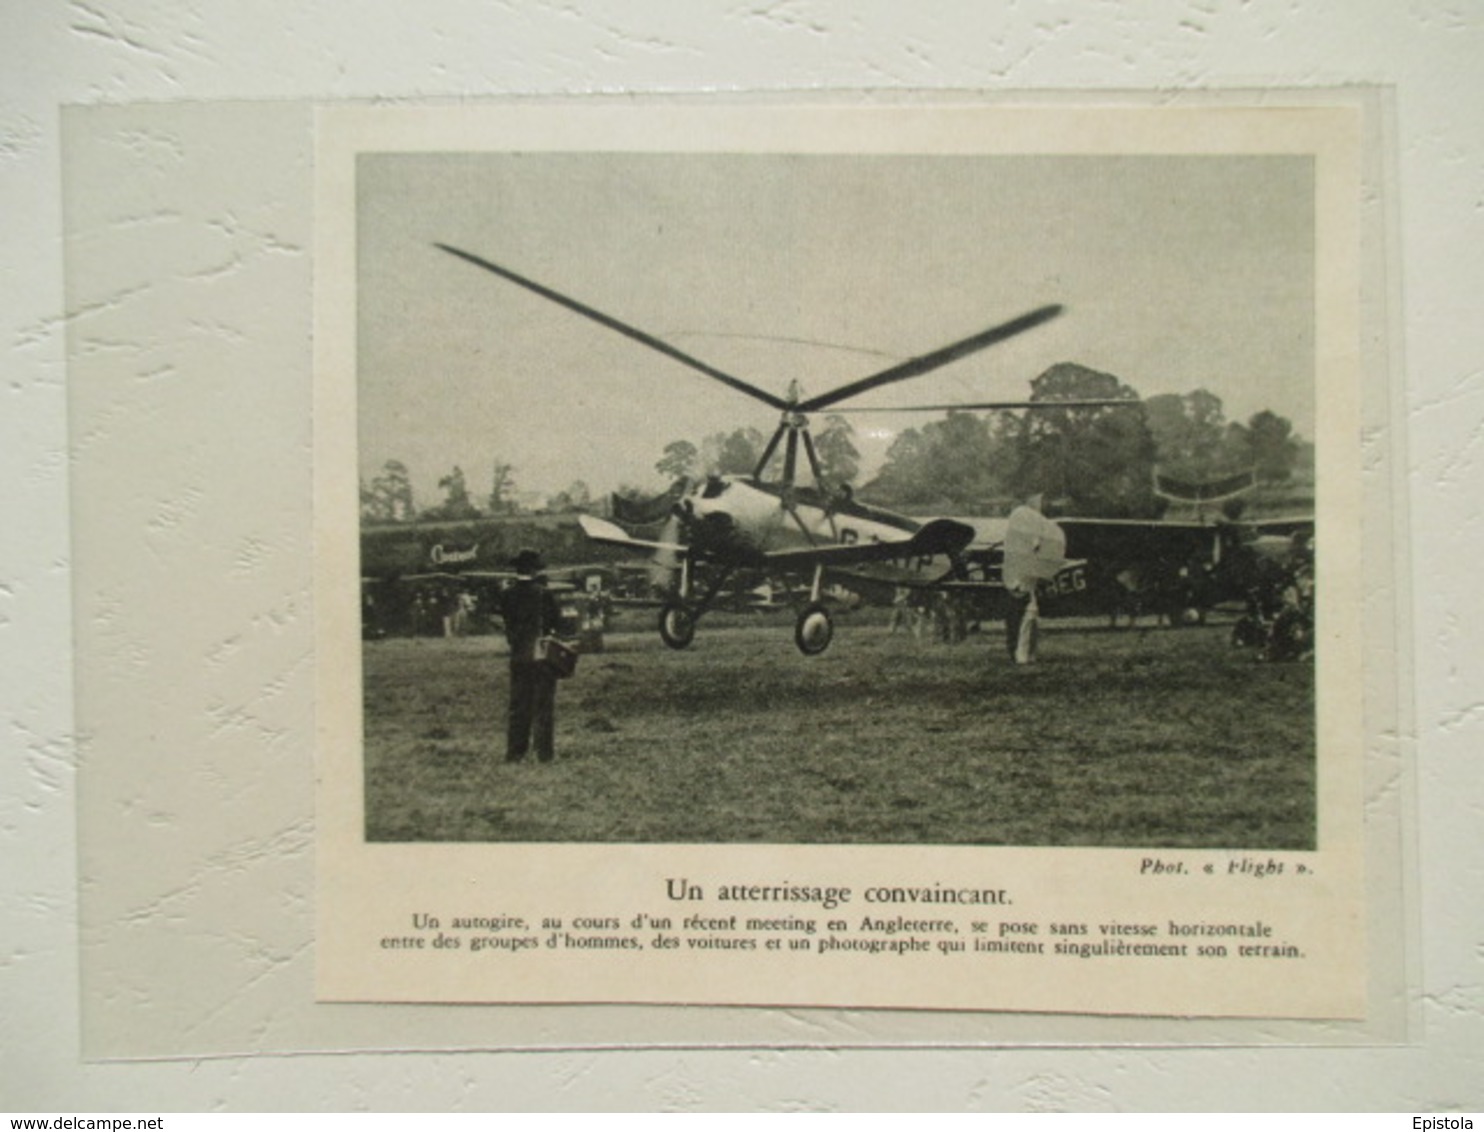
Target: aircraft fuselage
{"x": 742, "y": 518}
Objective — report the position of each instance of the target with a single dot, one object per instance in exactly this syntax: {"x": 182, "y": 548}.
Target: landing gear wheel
{"x": 677, "y": 626}
{"x": 814, "y": 630}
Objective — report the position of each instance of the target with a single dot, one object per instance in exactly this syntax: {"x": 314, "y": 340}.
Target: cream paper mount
{"x": 900, "y": 840}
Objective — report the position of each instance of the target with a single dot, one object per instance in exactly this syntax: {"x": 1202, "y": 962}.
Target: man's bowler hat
{"x": 528, "y": 562}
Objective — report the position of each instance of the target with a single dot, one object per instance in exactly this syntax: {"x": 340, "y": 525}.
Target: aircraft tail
{"x": 940, "y": 536}
{"x": 1204, "y": 491}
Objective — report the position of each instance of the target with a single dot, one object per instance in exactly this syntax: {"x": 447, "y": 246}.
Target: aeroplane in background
{"x": 782, "y": 527}
{"x": 1174, "y": 570}
{"x": 1177, "y": 570}
{"x": 437, "y": 575}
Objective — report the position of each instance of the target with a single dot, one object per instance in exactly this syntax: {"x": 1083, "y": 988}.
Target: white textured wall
{"x": 124, "y": 50}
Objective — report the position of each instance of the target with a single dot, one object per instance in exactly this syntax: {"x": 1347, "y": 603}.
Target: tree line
{"x": 1093, "y": 461}
{"x": 388, "y": 497}
{"x": 738, "y": 452}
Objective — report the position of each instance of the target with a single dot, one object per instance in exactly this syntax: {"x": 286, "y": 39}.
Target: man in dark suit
{"x": 530, "y": 612}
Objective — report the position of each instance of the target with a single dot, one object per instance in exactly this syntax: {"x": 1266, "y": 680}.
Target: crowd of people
{"x": 1278, "y": 623}
{"x": 929, "y": 615}
{"x": 1279, "y": 619}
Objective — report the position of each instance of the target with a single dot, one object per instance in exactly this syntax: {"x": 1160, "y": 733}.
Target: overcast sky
{"x": 1177, "y": 273}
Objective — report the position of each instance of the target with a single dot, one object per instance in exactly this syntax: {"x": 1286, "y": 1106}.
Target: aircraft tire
{"x": 814, "y": 630}
{"x": 677, "y": 626}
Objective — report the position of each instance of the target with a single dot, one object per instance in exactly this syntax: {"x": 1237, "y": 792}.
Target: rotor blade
{"x": 981, "y": 406}
{"x": 915, "y": 367}
{"x": 622, "y": 327}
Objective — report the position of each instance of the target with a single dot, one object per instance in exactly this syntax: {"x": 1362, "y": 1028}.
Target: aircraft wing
{"x": 484, "y": 576}
{"x": 937, "y": 536}
{"x": 457, "y": 576}
{"x": 1286, "y": 526}
{"x": 611, "y": 534}
{"x": 1137, "y": 540}
{"x": 894, "y": 574}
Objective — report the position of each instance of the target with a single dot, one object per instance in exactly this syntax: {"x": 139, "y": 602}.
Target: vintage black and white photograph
{"x": 838, "y": 499}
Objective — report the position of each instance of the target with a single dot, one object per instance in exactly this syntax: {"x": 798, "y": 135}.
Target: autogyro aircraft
{"x": 782, "y": 527}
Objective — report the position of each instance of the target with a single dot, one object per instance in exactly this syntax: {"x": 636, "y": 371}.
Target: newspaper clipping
{"x": 824, "y": 555}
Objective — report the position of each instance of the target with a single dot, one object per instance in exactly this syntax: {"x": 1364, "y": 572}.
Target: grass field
{"x": 1157, "y": 738}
